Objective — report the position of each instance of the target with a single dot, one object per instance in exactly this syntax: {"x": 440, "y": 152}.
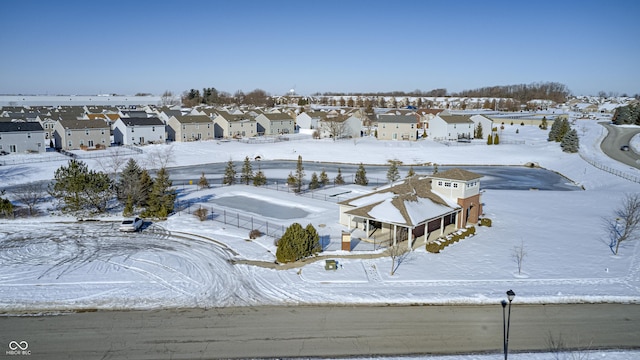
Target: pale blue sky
{"x": 124, "y": 47}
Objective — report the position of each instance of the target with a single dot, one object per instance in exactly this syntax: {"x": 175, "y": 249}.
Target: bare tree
{"x": 111, "y": 164}
{"x": 625, "y": 225}
{"x": 396, "y": 253}
{"x": 31, "y": 195}
{"x": 336, "y": 128}
{"x": 160, "y": 157}
{"x": 518, "y": 255}
{"x": 560, "y": 350}
{"x": 168, "y": 99}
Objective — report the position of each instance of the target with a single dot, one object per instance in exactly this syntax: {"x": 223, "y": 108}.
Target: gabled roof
{"x": 456, "y": 119}
{"x": 409, "y": 202}
{"x": 456, "y": 174}
{"x": 276, "y": 116}
{"x": 397, "y": 119}
{"x": 83, "y": 124}
{"x": 19, "y": 126}
{"x": 145, "y": 121}
{"x": 193, "y": 119}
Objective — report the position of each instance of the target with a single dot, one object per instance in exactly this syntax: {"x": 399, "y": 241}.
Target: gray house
{"x": 18, "y": 137}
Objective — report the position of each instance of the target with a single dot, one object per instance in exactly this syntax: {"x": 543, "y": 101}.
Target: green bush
{"x": 485, "y": 222}
{"x": 439, "y": 244}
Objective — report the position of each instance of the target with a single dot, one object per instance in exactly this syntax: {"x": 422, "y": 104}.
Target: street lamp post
{"x": 506, "y": 322}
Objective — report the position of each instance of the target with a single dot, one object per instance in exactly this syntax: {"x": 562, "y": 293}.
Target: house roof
{"x": 277, "y": 116}
{"x": 20, "y": 126}
{"x": 397, "y": 119}
{"x": 152, "y": 121}
{"x": 409, "y": 202}
{"x": 456, "y": 119}
{"x": 456, "y": 174}
{"x": 193, "y": 119}
{"x": 83, "y": 124}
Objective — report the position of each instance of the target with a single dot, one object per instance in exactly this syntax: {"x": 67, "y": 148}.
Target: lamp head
{"x": 511, "y": 295}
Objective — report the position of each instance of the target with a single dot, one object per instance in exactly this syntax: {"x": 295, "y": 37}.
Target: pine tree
{"x": 203, "y": 182}
{"x": 128, "y": 185}
{"x": 543, "y": 124}
{"x": 229, "y": 174}
{"x": 570, "y": 142}
{"x": 314, "y": 184}
{"x": 259, "y": 179}
{"x": 489, "y": 139}
{"x": 299, "y": 174}
{"x": 339, "y": 180}
{"x": 146, "y": 183}
{"x": 313, "y": 241}
{"x": 361, "y": 176}
{"x": 324, "y": 179}
{"x": 392, "y": 173}
{"x": 162, "y": 197}
{"x": 479, "y": 134}
{"x": 80, "y": 189}
{"x": 297, "y": 243}
{"x": 291, "y": 181}
{"x": 247, "y": 171}
{"x": 563, "y": 130}
{"x": 496, "y": 139}
{"x": 128, "y": 207}
{"x": 411, "y": 172}
{"x": 435, "y": 168}
{"x": 555, "y": 129}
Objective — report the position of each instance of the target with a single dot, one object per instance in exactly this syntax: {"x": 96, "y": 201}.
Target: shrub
{"x": 201, "y": 213}
{"x": 254, "y": 234}
{"x": 485, "y": 222}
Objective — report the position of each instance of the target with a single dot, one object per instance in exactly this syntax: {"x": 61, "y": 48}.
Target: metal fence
{"x": 64, "y": 155}
{"x": 616, "y": 172}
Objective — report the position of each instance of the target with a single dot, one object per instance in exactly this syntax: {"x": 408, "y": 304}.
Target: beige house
{"x": 76, "y": 134}
{"x": 398, "y": 127}
{"x": 189, "y": 128}
{"x": 228, "y": 126}
{"x": 416, "y": 208}
{"x": 274, "y": 124}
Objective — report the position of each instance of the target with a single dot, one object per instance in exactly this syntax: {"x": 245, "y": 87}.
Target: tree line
{"x": 627, "y": 115}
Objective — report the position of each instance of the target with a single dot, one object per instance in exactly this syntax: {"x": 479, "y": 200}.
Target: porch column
{"x": 394, "y": 234}
{"x": 410, "y": 233}
{"x": 349, "y": 224}
{"x": 442, "y": 226}
{"x": 367, "y": 227}
{"x": 459, "y": 219}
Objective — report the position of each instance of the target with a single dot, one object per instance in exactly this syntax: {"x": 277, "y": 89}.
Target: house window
{"x": 153, "y": 128}
{"x": 70, "y": 144}
{"x": 184, "y": 127}
{"x": 102, "y": 132}
{"x": 28, "y": 135}
{"x": 208, "y": 126}
{"x": 184, "y": 136}
{"x": 439, "y": 183}
{"x": 86, "y": 131}
{"x": 384, "y": 126}
{"x": 455, "y": 185}
{"x": 68, "y": 133}
{"x": 447, "y": 184}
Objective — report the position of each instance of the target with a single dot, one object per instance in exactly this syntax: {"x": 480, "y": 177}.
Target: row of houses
{"x": 71, "y": 128}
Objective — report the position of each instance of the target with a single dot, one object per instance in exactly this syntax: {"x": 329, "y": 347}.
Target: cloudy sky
{"x": 125, "y": 47}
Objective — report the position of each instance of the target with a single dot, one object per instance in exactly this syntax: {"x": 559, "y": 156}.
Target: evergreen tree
{"x": 291, "y": 181}
{"x": 297, "y": 243}
{"x": 203, "y": 182}
{"x": 435, "y": 168}
{"x": 80, "y": 189}
{"x": 555, "y": 129}
{"x": 496, "y": 139}
{"x": 411, "y": 172}
{"x": 479, "y": 134}
{"x": 570, "y": 142}
{"x": 392, "y": 173}
{"x": 128, "y": 207}
{"x": 299, "y": 174}
{"x": 128, "y": 185}
{"x": 247, "y": 171}
{"x": 259, "y": 178}
{"x": 324, "y": 179}
{"x": 314, "y": 184}
{"x": 146, "y": 183}
{"x": 229, "y": 174}
{"x": 339, "y": 180}
{"x": 543, "y": 124}
{"x": 162, "y": 197}
{"x": 563, "y": 130}
{"x": 361, "y": 176}
{"x": 489, "y": 139}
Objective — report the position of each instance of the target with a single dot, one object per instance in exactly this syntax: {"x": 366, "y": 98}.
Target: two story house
{"x": 76, "y": 134}
{"x": 274, "y": 124}
{"x": 189, "y": 128}
{"x": 451, "y": 127}
{"x": 398, "y": 127}
{"x": 18, "y": 137}
{"x": 227, "y": 125}
{"x": 138, "y": 131}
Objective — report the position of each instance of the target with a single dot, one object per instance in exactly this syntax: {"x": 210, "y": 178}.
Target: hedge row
{"x": 439, "y": 244}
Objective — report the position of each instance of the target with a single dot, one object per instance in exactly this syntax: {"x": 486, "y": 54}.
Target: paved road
{"x": 617, "y": 137}
{"x": 312, "y": 331}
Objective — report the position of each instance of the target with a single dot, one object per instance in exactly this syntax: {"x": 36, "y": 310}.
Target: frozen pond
{"x": 260, "y": 207}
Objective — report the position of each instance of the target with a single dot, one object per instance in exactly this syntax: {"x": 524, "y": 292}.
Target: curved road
{"x": 320, "y": 331}
{"x": 617, "y": 137}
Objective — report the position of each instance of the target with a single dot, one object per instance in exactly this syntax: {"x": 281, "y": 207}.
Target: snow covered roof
{"x": 409, "y": 202}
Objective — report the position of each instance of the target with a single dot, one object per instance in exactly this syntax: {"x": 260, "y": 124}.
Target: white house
{"x": 309, "y": 120}
{"x": 451, "y": 127}
{"x": 138, "y": 131}
{"x": 18, "y": 137}
{"x": 341, "y": 126}
{"x": 487, "y": 124}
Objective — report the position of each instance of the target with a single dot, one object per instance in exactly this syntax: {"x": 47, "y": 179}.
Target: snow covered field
{"x": 55, "y": 263}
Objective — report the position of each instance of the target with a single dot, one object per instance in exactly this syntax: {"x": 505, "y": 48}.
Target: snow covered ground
{"x": 55, "y": 263}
